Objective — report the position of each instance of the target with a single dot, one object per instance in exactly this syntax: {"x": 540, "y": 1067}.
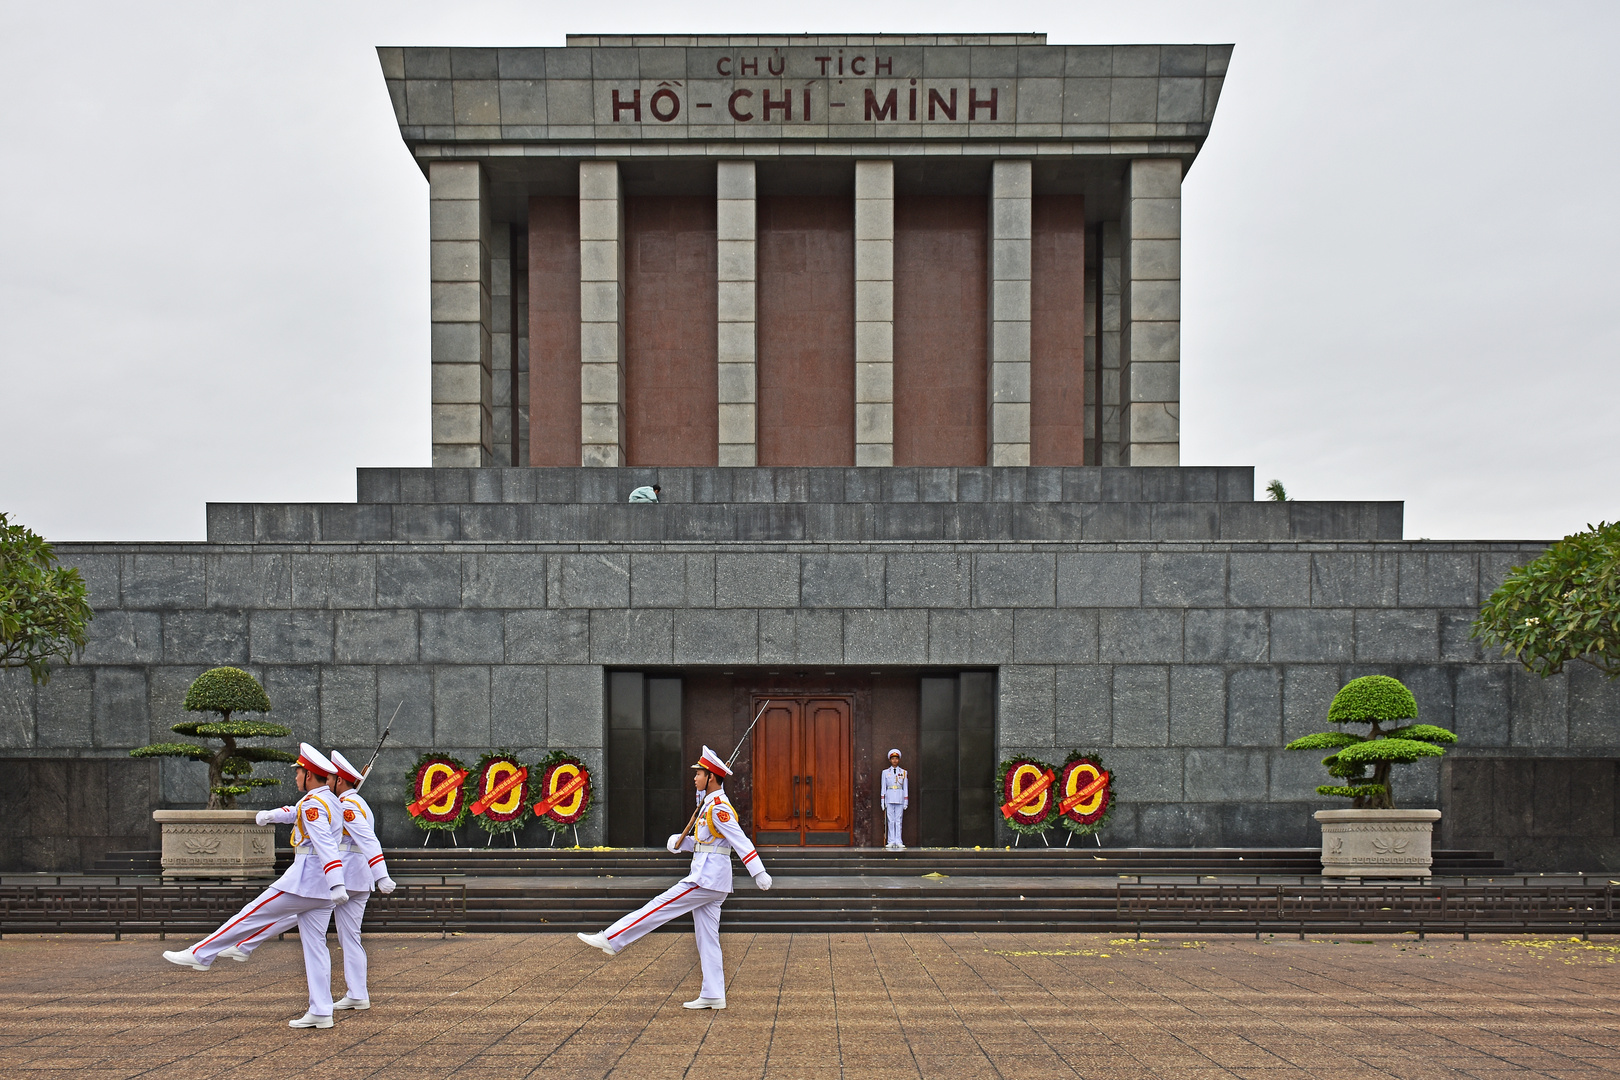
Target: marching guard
{"x": 896, "y": 797}
{"x": 306, "y": 893}
{"x": 363, "y": 869}
{"x": 704, "y": 889}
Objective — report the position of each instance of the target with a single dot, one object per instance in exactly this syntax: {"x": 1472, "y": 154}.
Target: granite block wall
{"x": 1187, "y": 665}
{"x": 64, "y": 813}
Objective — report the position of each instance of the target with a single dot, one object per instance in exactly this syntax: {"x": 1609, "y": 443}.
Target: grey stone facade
{"x": 1188, "y": 663}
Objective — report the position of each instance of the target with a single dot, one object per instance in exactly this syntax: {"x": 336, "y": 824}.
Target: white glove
{"x": 386, "y": 885}
{"x": 763, "y": 880}
{"x": 675, "y": 839}
{"x": 340, "y": 895}
{"x": 262, "y": 817}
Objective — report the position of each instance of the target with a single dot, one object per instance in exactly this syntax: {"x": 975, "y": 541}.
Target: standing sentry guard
{"x": 896, "y": 797}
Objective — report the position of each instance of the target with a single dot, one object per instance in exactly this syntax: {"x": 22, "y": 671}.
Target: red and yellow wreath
{"x": 565, "y": 790}
{"x": 1084, "y": 793}
{"x": 502, "y": 783}
{"x": 1026, "y": 795}
{"x": 437, "y": 797}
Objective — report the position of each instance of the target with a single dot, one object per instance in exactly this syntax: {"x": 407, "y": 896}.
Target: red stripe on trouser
{"x": 659, "y": 908}
{"x": 269, "y": 926}
{"x": 236, "y": 920}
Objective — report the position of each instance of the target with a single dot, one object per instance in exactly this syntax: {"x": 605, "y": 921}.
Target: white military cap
{"x": 711, "y": 761}
{"x": 894, "y": 753}
{"x": 341, "y": 765}
{"x": 313, "y": 760}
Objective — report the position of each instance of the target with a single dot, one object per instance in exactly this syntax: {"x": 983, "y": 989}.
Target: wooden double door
{"x": 804, "y": 772}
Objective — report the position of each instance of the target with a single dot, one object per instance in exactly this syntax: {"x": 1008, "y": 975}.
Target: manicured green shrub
{"x": 1374, "y": 700}
{"x": 223, "y": 691}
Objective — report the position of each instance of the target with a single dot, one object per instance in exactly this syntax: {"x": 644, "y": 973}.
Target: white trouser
{"x": 677, "y": 900}
{"x": 258, "y": 920}
{"x": 347, "y": 918}
{"x": 894, "y": 811}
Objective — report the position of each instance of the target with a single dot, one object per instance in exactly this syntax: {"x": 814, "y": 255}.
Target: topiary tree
{"x": 1374, "y": 700}
{"x": 226, "y": 690}
{"x": 1563, "y": 606}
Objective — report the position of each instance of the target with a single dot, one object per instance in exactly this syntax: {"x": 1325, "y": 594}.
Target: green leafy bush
{"x": 223, "y": 691}
{"x": 1373, "y": 700}
{"x": 43, "y": 606}
{"x": 1563, "y": 606}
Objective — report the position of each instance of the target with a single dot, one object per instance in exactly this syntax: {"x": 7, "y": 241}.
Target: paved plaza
{"x": 861, "y": 1006}
{"x": 832, "y": 1006}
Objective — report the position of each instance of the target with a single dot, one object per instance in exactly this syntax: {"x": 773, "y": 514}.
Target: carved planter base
{"x": 1377, "y": 843}
{"x": 216, "y": 843}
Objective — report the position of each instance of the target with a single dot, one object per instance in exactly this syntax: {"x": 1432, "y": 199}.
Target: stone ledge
{"x": 808, "y": 522}
{"x": 784, "y": 484}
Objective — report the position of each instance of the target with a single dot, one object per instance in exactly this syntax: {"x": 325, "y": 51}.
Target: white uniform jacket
{"x": 363, "y": 863}
{"x": 718, "y": 835}
{"x": 317, "y": 837}
{"x": 896, "y": 787}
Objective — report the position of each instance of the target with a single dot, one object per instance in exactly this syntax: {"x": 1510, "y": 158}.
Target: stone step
{"x": 819, "y": 522}
{"x": 781, "y": 484}
{"x": 851, "y": 862}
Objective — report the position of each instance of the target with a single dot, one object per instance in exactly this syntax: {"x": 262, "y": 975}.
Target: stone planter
{"x": 216, "y": 843}
{"x": 1377, "y": 843}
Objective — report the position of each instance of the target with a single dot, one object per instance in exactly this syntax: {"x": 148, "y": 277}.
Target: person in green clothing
{"x": 645, "y": 494}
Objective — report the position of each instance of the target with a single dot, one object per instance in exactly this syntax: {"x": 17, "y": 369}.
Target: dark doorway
{"x": 845, "y": 723}
{"x": 804, "y": 772}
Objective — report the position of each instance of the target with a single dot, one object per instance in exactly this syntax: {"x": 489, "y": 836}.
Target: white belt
{"x": 348, "y": 848}
{"x": 715, "y": 849}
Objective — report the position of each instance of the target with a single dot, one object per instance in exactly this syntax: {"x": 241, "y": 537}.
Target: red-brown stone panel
{"x": 554, "y": 330}
{"x": 940, "y": 276}
{"x": 671, "y": 337}
{"x": 806, "y": 331}
{"x": 1057, "y": 330}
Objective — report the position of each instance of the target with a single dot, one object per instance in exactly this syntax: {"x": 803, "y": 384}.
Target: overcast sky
{"x": 1399, "y": 254}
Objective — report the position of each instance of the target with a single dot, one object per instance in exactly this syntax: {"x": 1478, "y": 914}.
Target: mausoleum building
{"x": 894, "y": 322}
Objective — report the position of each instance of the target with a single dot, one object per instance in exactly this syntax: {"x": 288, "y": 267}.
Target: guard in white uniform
{"x": 363, "y": 869}
{"x": 701, "y": 891}
{"x": 307, "y": 891}
{"x": 896, "y": 797}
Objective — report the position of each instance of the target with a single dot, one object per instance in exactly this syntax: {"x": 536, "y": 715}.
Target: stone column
{"x": 1150, "y": 334}
{"x": 520, "y": 341}
{"x": 874, "y": 313}
{"x": 1112, "y": 448}
{"x": 739, "y": 314}
{"x": 502, "y": 355}
{"x": 459, "y": 227}
{"x": 1011, "y": 216}
{"x": 601, "y": 314}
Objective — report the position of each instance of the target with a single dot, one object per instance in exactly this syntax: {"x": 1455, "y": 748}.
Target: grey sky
{"x": 1399, "y": 254}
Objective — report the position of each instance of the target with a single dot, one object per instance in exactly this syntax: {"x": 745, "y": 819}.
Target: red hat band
{"x": 711, "y": 761}
{"x": 313, "y": 760}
